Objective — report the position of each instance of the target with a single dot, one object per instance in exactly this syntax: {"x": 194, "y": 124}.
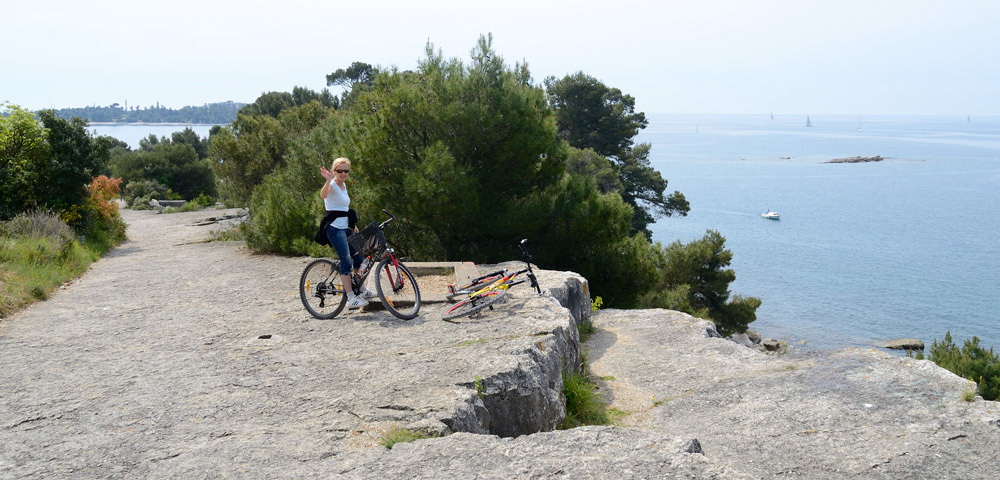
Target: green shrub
{"x": 141, "y": 203}
{"x": 41, "y": 250}
{"x": 204, "y": 200}
{"x": 38, "y": 259}
{"x": 174, "y": 165}
{"x": 695, "y": 278}
{"x": 39, "y": 224}
{"x": 972, "y": 362}
{"x": 187, "y": 207}
{"x": 143, "y": 189}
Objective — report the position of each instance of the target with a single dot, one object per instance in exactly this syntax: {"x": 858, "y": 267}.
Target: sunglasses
{"x": 342, "y": 171}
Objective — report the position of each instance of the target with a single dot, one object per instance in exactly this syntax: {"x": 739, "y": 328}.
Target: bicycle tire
{"x": 474, "y": 304}
{"x": 397, "y": 289}
{"x": 465, "y": 290}
{"x": 321, "y": 289}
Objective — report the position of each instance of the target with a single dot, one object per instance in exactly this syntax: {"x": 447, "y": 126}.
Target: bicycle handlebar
{"x": 388, "y": 220}
{"x": 524, "y": 251}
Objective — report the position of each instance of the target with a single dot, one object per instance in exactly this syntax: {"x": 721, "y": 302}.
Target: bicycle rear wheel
{"x": 397, "y": 289}
{"x": 321, "y": 289}
{"x": 474, "y": 304}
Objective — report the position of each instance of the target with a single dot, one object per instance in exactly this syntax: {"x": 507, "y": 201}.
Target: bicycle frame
{"x": 487, "y": 290}
{"x": 397, "y": 281}
{"x": 505, "y": 282}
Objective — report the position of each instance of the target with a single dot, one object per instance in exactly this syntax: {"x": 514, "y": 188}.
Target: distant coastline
{"x": 209, "y": 114}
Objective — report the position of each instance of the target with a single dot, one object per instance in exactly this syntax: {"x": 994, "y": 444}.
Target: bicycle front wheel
{"x": 397, "y": 289}
{"x": 474, "y": 304}
{"x": 320, "y": 289}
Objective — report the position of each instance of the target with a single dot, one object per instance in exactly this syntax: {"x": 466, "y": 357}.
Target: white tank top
{"x": 339, "y": 200}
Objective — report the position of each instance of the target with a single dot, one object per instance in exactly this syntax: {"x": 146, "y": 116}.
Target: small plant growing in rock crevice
{"x": 584, "y": 406}
{"x": 969, "y": 395}
{"x": 596, "y": 303}
{"x": 478, "y": 384}
{"x": 404, "y": 435}
{"x": 586, "y": 327}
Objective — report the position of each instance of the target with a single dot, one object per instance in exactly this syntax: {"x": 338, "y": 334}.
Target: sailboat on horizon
{"x": 772, "y": 116}
{"x": 809, "y": 123}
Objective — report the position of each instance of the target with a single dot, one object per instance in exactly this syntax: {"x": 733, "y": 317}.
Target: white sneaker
{"x": 354, "y": 301}
{"x": 365, "y": 293}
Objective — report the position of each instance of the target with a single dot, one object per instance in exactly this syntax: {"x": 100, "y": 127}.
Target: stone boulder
{"x": 904, "y": 344}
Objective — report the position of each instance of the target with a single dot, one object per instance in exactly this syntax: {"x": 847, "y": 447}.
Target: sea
{"x": 908, "y": 247}
{"x": 131, "y": 133}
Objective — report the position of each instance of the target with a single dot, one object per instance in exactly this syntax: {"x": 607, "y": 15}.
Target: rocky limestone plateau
{"x": 178, "y": 358}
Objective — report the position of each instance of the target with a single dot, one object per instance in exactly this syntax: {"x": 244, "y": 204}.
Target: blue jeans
{"x": 346, "y": 253}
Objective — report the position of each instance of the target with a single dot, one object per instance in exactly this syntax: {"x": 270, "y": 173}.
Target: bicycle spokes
{"x": 397, "y": 289}
{"x": 320, "y": 289}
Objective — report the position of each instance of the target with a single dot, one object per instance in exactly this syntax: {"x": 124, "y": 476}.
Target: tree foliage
{"x": 358, "y": 77}
{"x": 644, "y": 189}
{"x": 358, "y": 72}
{"x": 972, "y": 362}
{"x": 189, "y": 137}
{"x": 594, "y": 117}
{"x": 23, "y": 152}
{"x": 245, "y": 152}
{"x": 75, "y": 157}
{"x": 171, "y": 162}
{"x": 46, "y": 161}
{"x": 695, "y": 278}
{"x": 273, "y": 103}
{"x": 464, "y": 143}
{"x": 588, "y": 163}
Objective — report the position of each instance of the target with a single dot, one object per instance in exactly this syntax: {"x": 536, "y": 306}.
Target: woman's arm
{"x": 328, "y": 175}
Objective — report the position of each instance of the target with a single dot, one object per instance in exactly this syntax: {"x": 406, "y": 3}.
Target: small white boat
{"x": 771, "y": 214}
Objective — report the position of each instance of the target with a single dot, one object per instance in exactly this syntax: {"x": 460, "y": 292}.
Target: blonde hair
{"x": 340, "y": 161}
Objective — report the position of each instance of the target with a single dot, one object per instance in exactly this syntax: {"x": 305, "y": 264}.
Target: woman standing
{"x": 337, "y": 202}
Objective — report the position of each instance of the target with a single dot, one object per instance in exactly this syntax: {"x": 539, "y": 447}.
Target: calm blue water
{"x": 132, "y": 133}
{"x": 907, "y": 247}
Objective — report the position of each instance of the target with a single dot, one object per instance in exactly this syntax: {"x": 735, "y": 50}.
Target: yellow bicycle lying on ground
{"x": 488, "y": 289}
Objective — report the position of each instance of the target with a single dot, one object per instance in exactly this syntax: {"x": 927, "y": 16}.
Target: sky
{"x": 850, "y": 57}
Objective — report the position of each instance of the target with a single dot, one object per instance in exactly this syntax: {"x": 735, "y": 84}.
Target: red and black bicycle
{"x": 324, "y": 296}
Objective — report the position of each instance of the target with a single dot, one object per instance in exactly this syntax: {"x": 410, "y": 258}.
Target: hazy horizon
{"x": 919, "y": 57}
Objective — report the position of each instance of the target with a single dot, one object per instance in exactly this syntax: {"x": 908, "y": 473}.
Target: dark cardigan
{"x": 331, "y": 215}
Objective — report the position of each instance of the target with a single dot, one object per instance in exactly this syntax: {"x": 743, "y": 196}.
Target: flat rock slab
{"x": 177, "y": 357}
{"x": 586, "y": 452}
{"x": 903, "y": 344}
{"x": 832, "y": 414}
